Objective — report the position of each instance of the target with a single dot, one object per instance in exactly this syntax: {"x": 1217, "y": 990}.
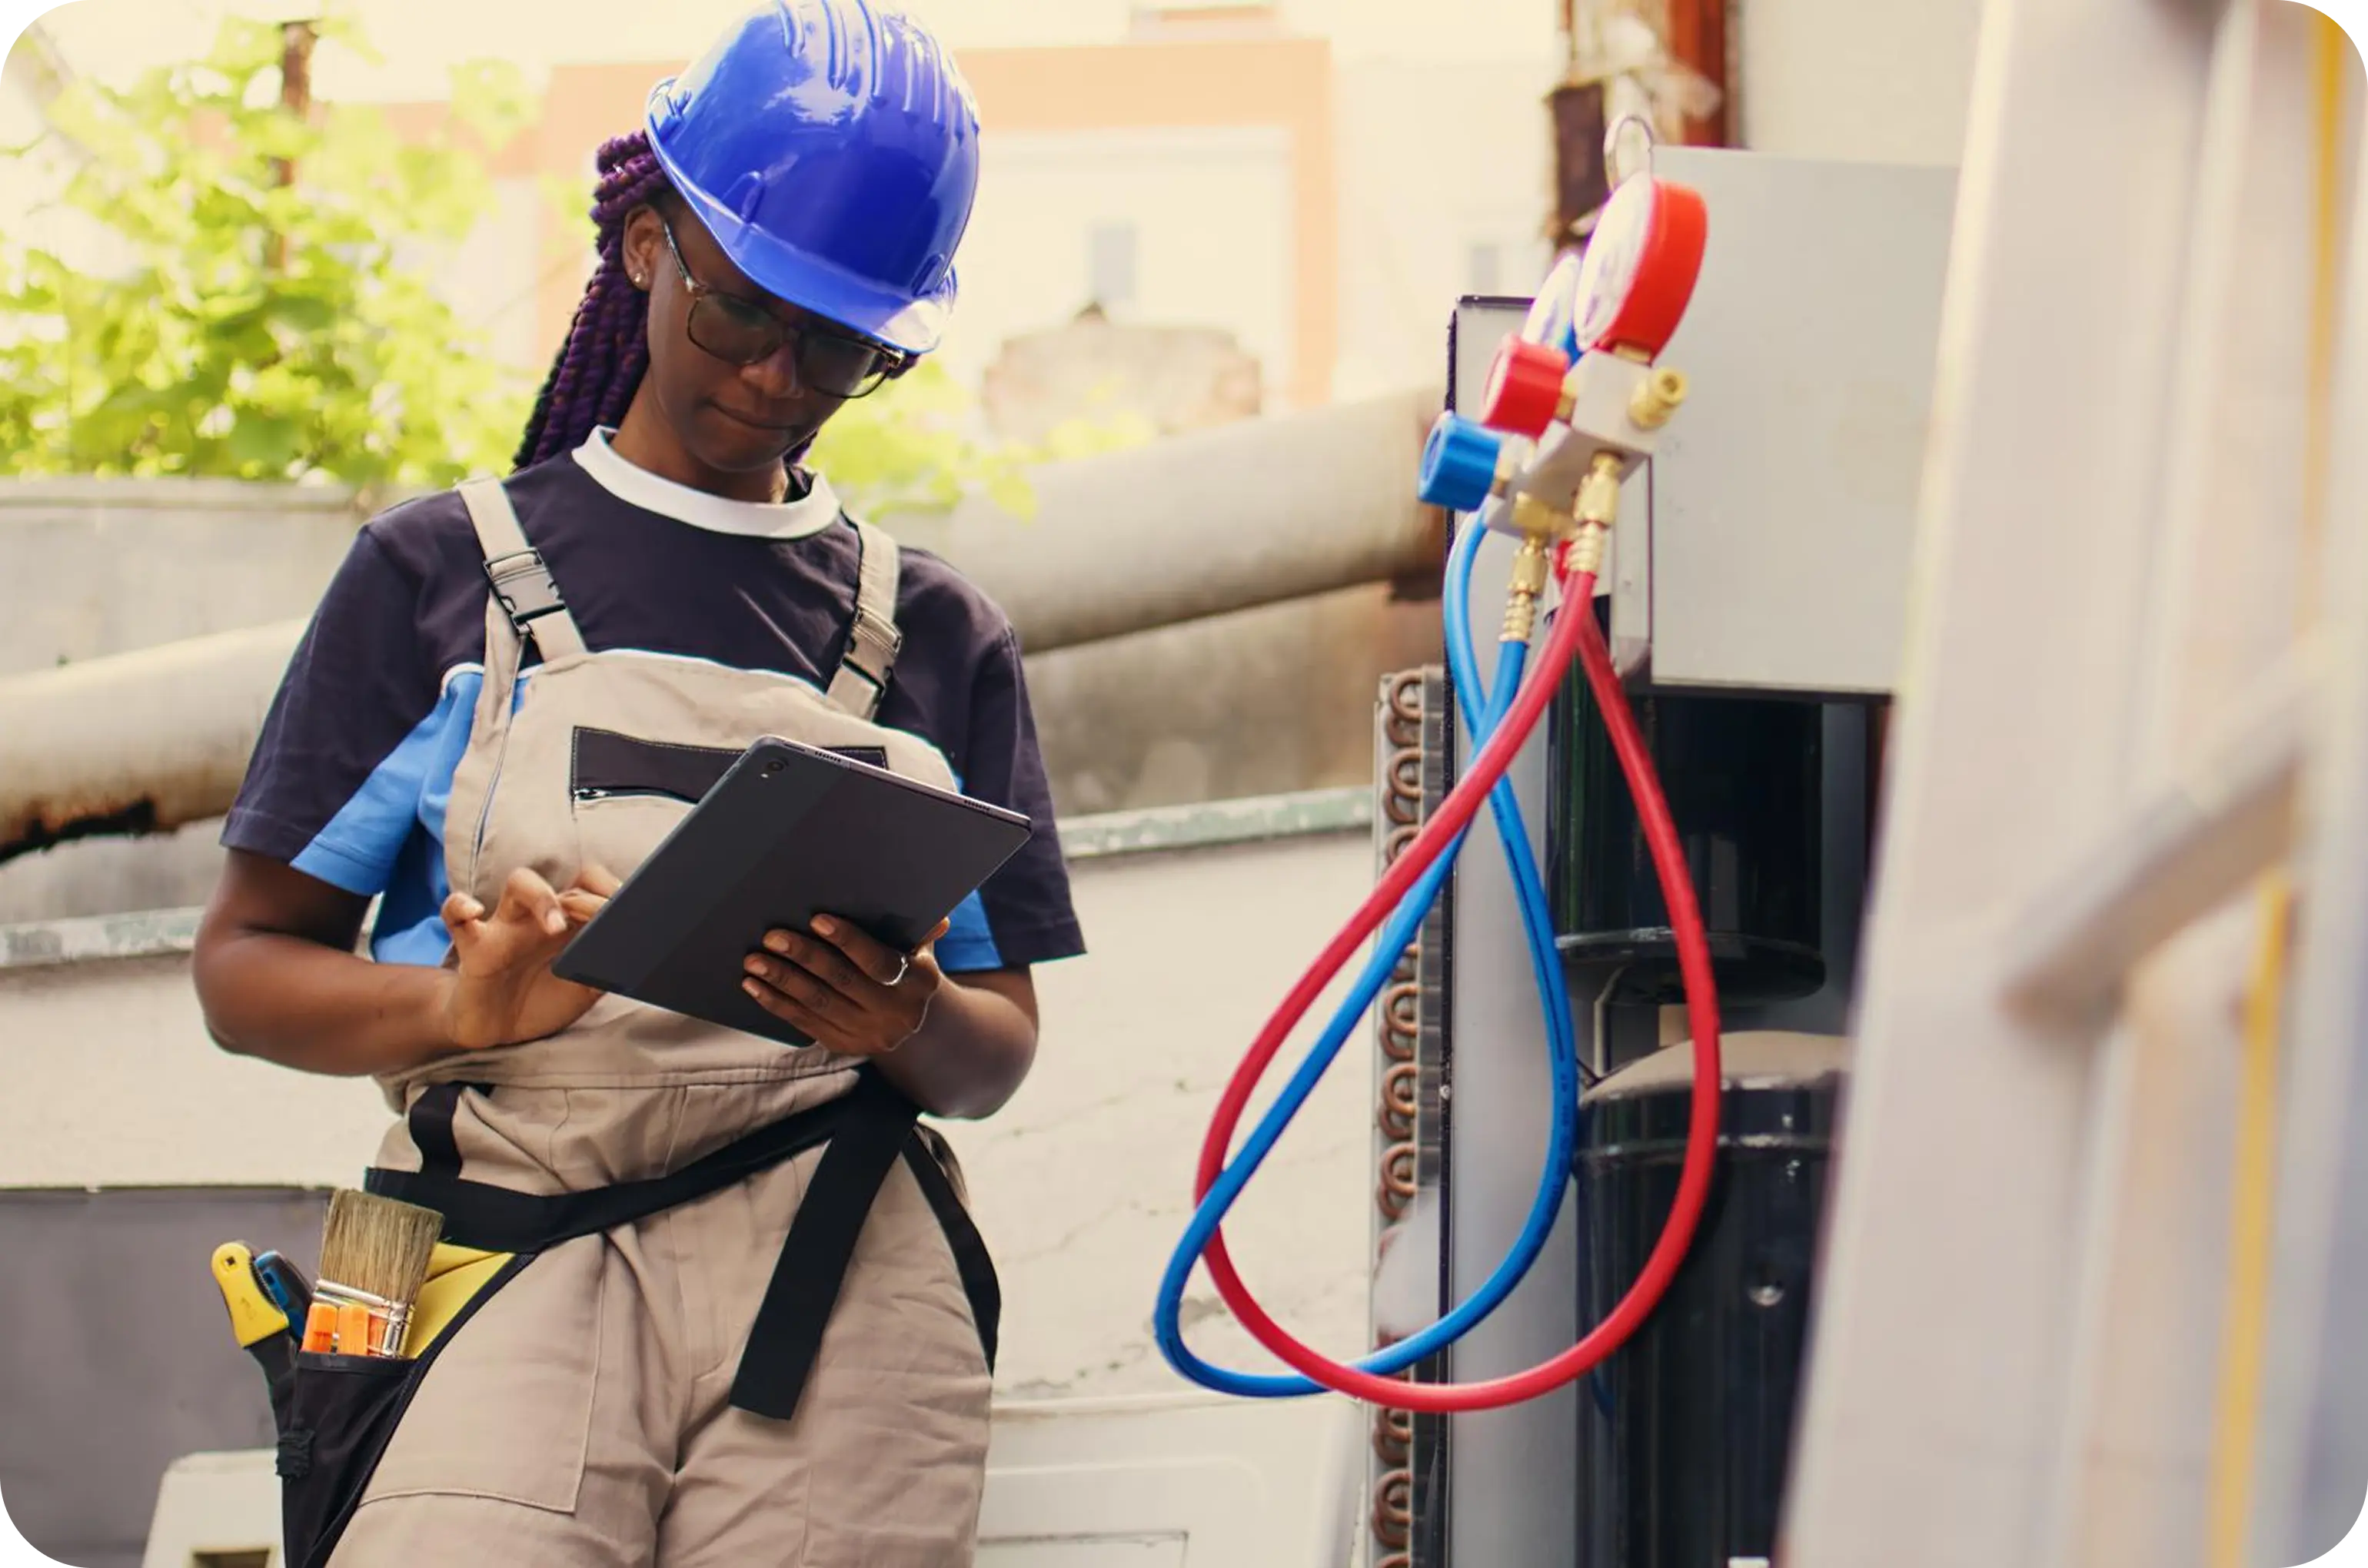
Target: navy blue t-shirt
{"x": 351, "y": 777}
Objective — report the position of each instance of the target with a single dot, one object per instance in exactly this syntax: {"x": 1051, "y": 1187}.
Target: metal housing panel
{"x": 1783, "y": 497}
{"x": 1511, "y": 1472}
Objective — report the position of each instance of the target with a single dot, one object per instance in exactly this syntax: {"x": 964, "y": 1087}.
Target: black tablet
{"x": 789, "y": 832}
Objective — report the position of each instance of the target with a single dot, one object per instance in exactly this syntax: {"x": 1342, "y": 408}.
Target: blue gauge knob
{"x": 1459, "y": 464}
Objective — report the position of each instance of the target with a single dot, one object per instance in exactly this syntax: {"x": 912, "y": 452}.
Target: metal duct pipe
{"x": 1203, "y": 523}
{"x": 134, "y": 744}
{"x": 1194, "y": 526}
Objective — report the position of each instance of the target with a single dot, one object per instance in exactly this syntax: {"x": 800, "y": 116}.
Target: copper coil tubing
{"x": 1394, "y": 1506}
{"x": 1399, "y": 1087}
{"x": 1397, "y": 1176}
{"x": 1405, "y": 778}
{"x": 1405, "y": 696}
{"x": 1393, "y": 1439}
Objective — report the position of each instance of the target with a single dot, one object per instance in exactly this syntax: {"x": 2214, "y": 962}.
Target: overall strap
{"x": 873, "y": 639}
{"x": 862, "y": 1134}
{"x": 496, "y": 1219}
{"x": 429, "y": 1122}
{"x": 786, "y": 1338}
{"x": 525, "y": 600}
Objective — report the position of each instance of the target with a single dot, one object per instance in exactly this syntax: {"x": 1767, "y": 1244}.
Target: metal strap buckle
{"x": 876, "y": 680}
{"x": 525, "y": 587}
{"x": 885, "y": 633}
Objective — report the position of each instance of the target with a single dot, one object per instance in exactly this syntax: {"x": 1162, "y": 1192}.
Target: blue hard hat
{"x": 831, "y": 148}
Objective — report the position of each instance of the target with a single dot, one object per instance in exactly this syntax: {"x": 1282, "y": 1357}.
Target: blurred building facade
{"x": 1314, "y": 178}
{"x": 1212, "y": 177}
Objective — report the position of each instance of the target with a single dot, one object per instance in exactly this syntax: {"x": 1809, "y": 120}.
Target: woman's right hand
{"x": 502, "y": 991}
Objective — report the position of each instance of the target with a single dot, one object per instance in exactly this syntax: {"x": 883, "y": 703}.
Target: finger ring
{"x": 903, "y": 965}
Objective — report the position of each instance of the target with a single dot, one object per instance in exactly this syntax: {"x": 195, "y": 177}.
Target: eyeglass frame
{"x": 890, "y": 361}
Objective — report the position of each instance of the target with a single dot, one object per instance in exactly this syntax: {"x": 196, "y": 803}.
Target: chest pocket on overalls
{"x": 628, "y": 793}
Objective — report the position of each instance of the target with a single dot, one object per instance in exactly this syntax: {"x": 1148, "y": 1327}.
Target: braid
{"x": 598, "y": 369}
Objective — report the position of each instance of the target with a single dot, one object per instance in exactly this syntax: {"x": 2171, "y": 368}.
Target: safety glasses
{"x": 740, "y": 332}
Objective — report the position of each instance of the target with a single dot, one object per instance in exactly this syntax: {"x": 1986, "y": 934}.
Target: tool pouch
{"x": 337, "y": 1417}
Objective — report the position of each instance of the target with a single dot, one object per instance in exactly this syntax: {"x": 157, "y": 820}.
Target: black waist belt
{"x": 862, "y": 1134}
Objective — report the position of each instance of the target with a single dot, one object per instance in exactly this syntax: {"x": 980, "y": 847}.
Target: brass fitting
{"x": 1530, "y": 570}
{"x": 1650, "y": 407}
{"x": 1534, "y": 519}
{"x": 1586, "y": 553}
{"x": 1599, "y": 493}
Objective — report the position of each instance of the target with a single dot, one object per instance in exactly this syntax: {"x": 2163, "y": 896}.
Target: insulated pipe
{"x": 1201, "y": 525}
{"x": 139, "y": 743}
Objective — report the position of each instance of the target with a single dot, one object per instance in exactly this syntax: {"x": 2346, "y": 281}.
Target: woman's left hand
{"x": 854, "y": 995}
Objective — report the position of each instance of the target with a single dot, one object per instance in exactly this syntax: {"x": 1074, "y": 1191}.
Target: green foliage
{"x": 907, "y": 450}
{"x": 257, "y": 328}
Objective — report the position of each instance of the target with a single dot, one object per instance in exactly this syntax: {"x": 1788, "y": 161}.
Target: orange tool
{"x": 354, "y": 1337}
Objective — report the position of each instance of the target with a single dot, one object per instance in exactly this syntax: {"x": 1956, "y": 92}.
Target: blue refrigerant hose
{"x": 1404, "y": 925}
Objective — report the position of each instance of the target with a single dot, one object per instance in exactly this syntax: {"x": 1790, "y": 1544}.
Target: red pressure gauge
{"x": 1640, "y": 266}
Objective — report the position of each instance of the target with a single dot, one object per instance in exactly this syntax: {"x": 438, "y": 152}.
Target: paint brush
{"x": 374, "y": 1256}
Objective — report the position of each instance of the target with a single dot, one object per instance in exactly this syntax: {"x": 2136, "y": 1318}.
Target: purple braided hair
{"x": 598, "y": 369}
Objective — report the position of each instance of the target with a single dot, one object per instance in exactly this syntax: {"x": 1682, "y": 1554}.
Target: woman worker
{"x": 664, "y": 1376}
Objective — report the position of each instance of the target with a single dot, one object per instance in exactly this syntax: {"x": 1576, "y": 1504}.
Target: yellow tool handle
{"x": 454, "y": 1278}
{"x": 448, "y": 1257}
{"x": 253, "y": 1318}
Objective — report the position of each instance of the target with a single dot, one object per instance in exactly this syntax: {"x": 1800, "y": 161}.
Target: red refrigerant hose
{"x": 1575, "y": 633}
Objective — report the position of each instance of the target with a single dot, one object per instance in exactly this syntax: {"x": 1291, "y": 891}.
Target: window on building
{"x": 1109, "y": 266}
{"x": 1484, "y": 268}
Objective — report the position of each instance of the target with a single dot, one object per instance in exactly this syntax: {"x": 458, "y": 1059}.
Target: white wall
{"x": 1877, "y": 81}
{"x": 1212, "y": 214}
{"x": 1435, "y": 158}
{"x": 489, "y": 279}
{"x": 1082, "y": 1184}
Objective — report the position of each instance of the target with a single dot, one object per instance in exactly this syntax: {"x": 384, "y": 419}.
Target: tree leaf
{"x": 261, "y": 329}
{"x": 265, "y": 445}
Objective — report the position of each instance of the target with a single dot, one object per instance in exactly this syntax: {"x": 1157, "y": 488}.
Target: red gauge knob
{"x": 1524, "y": 388}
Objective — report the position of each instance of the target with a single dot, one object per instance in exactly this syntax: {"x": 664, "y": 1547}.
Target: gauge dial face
{"x": 1554, "y": 311}
{"x": 1614, "y": 253}
{"x": 1640, "y": 266}
{"x": 1493, "y": 392}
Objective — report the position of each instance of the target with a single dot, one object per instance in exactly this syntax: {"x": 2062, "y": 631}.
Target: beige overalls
{"x": 668, "y": 1375}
